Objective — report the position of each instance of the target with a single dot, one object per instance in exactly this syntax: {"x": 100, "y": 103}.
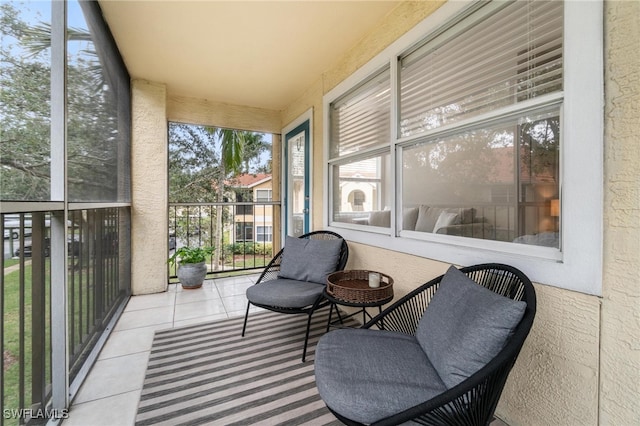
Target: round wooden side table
{"x": 351, "y": 288}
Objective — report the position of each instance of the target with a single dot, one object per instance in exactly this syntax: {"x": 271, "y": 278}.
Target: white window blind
{"x": 361, "y": 119}
{"x": 510, "y": 56}
{"x": 263, "y": 195}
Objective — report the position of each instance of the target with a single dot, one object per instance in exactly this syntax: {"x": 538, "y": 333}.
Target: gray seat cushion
{"x": 285, "y": 293}
{"x": 307, "y": 259}
{"x": 366, "y": 375}
{"x": 465, "y": 326}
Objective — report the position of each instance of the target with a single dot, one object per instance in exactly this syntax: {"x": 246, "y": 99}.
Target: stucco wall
{"x": 209, "y": 113}
{"x": 581, "y": 362}
{"x": 620, "y": 341}
{"x": 555, "y": 379}
{"x": 149, "y": 188}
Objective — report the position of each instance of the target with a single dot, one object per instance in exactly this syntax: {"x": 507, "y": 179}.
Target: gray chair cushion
{"x": 307, "y": 259}
{"x": 465, "y": 326}
{"x": 284, "y": 293}
{"x": 366, "y": 375}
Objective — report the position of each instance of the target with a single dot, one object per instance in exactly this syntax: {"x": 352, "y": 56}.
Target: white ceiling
{"x": 262, "y": 54}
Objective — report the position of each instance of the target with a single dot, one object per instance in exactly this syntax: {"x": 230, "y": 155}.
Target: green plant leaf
{"x": 187, "y": 254}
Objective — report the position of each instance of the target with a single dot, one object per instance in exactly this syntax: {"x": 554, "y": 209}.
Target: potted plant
{"x": 192, "y": 269}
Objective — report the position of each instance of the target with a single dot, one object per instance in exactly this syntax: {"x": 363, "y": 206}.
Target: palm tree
{"x": 254, "y": 146}
{"x": 231, "y": 160}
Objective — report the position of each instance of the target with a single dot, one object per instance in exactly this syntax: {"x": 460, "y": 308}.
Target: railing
{"x": 241, "y": 233}
{"x": 25, "y": 300}
{"x": 96, "y": 285}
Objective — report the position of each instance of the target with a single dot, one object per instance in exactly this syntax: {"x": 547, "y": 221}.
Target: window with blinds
{"x": 361, "y": 118}
{"x": 481, "y": 140}
{"x": 502, "y": 54}
{"x": 468, "y": 80}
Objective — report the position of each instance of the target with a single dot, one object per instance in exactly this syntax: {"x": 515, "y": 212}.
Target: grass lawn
{"x": 12, "y": 338}
{"x": 81, "y": 305}
{"x": 10, "y": 262}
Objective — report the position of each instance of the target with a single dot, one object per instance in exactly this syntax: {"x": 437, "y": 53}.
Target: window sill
{"x": 543, "y": 265}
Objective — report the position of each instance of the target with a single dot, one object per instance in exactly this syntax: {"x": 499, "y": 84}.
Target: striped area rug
{"x": 209, "y": 374}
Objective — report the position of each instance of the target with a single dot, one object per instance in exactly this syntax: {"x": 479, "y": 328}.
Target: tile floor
{"x": 109, "y": 396}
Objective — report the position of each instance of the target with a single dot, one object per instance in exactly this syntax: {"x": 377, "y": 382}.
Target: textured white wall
{"x": 209, "y": 113}
{"x": 555, "y": 379}
{"x": 149, "y": 188}
{"x": 620, "y": 341}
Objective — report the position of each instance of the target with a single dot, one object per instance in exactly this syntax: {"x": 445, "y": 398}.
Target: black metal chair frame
{"x": 271, "y": 273}
{"x": 473, "y": 401}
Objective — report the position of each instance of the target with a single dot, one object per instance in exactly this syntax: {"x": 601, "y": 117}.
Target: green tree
{"x": 203, "y": 162}
{"x": 232, "y": 148}
{"x": 254, "y": 146}
{"x": 194, "y": 161}
{"x": 25, "y": 111}
{"x": 93, "y": 137}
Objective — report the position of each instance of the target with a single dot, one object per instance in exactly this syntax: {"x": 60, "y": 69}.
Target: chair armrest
{"x": 484, "y": 388}
{"x": 272, "y": 269}
{"x": 405, "y": 314}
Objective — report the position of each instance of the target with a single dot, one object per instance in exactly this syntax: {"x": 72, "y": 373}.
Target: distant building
{"x": 252, "y": 222}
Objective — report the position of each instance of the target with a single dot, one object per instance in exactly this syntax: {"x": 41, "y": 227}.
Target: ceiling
{"x": 261, "y": 54}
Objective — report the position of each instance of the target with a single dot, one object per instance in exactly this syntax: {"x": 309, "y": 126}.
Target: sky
{"x": 34, "y": 12}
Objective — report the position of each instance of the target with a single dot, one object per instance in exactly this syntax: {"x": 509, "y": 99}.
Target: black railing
{"x": 93, "y": 283}
{"x": 96, "y": 286}
{"x": 25, "y": 307}
{"x": 241, "y": 233}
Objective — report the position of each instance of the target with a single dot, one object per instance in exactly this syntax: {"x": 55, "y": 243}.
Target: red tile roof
{"x": 248, "y": 180}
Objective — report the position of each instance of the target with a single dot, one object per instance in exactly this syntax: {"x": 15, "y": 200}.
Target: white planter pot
{"x": 191, "y": 275}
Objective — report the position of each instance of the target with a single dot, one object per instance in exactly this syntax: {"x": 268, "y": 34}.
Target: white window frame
{"x": 579, "y": 265}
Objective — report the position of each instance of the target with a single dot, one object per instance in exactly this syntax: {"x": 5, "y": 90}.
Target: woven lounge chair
{"x": 294, "y": 280}
{"x": 443, "y": 355}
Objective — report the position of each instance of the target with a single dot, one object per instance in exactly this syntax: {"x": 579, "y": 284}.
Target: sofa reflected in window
{"x": 458, "y": 221}
{"x": 497, "y": 222}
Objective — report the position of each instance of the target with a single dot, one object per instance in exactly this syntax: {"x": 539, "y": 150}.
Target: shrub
{"x": 251, "y": 248}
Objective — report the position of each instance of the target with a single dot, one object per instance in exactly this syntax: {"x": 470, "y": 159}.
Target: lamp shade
{"x": 555, "y": 207}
